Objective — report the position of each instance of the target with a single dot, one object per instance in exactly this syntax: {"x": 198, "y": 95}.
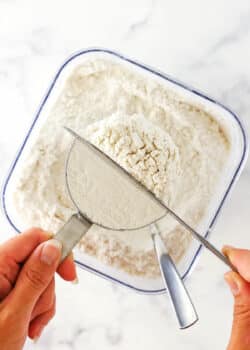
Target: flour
{"x": 107, "y": 195}
{"x": 186, "y": 149}
{"x": 143, "y": 149}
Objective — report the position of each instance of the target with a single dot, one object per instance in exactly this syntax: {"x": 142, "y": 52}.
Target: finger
{"x": 67, "y": 269}
{"x": 240, "y": 258}
{"x": 240, "y": 337}
{"x": 35, "y": 277}
{"x": 20, "y": 247}
{"x": 37, "y": 325}
{"x": 45, "y": 301}
{"x": 15, "y": 251}
{"x": 6, "y": 284}
{"x": 239, "y": 288}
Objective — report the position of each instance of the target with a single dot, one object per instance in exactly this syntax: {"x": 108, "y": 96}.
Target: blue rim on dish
{"x": 163, "y": 76}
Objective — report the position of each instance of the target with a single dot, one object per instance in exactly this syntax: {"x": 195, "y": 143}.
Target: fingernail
{"x": 75, "y": 281}
{"x": 51, "y": 251}
{"x": 35, "y": 340}
{"x": 226, "y": 249}
{"x": 51, "y": 235}
{"x": 37, "y": 337}
{"x": 233, "y": 283}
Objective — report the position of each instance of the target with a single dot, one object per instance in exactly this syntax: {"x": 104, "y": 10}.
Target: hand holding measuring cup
{"x": 28, "y": 263}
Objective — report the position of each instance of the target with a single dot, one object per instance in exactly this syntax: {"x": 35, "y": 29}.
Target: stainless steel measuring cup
{"x": 91, "y": 178}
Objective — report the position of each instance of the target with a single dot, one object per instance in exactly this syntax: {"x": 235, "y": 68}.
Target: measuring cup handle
{"x": 71, "y": 233}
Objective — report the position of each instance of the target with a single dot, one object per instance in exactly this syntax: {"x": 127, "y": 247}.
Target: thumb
{"x": 34, "y": 277}
{"x": 241, "y": 320}
{"x": 240, "y": 258}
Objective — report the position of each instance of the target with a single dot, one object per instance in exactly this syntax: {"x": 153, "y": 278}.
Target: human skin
{"x": 239, "y": 283}
{"x": 28, "y": 263}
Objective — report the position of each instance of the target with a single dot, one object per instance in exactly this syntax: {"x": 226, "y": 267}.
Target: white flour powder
{"x": 143, "y": 149}
{"x": 106, "y": 194}
{"x": 178, "y": 152}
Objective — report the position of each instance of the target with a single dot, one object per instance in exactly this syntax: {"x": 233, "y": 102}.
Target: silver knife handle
{"x": 71, "y": 233}
{"x": 181, "y": 301}
{"x": 215, "y": 251}
{"x": 203, "y": 241}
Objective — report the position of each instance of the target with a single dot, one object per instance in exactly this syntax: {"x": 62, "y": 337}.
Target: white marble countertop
{"x": 203, "y": 43}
